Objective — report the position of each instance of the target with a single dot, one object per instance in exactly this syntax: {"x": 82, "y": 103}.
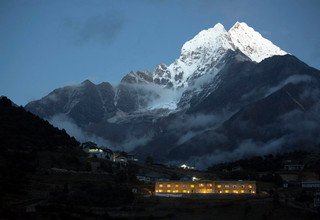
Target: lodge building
{"x": 206, "y": 186}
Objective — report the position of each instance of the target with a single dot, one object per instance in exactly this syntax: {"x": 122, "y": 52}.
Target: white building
{"x": 310, "y": 184}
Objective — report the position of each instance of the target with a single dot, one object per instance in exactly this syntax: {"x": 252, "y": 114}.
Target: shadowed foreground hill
{"x": 29, "y": 144}
{"x": 44, "y": 168}
{"x": 25, "y": 134}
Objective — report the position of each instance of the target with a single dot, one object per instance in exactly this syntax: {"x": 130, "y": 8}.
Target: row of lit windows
{"x": 235, "y": 191}
{"x": 173, "y": 191}
{"x": 208, "y": 185}
{"x": 192, "y": 185}
{"x": 234, "y": 186}
{"x": 205, "y": 191}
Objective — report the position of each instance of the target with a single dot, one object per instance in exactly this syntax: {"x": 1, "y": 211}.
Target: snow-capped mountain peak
{"x": 209, "y": 39}
{"x": 200, "y": 53}
{"x": 203, "y": 53}
{"x": 252, "y": 44}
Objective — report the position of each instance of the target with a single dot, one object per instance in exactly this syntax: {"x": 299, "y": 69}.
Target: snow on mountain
{"x": 207, "y": 53}
{"x": 203, "y": 53}
{"x": 197, "y": 56}
{"x": 252, "y": 44}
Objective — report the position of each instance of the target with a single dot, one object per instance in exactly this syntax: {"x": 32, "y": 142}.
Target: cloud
{"x": 128, "y": 144}
{"x": 196, "y": 122}
{"x": 101, "y": 28}
{"x": 301, "y": 132}
{"x": 152, "y": 96}
{"x": 186, "y": 137}
{"x": 294, "y": 79}
{"x": 260, "y": 92}
{"x": 64, "y": 122}
{"x": 247, "y": 148}
{"x": 131, "y": 142}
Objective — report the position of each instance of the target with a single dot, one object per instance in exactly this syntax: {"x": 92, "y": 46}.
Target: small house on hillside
{"x": 103, "y": 153}
{"x": 293, "y": 167}
{"x": 310, "y": 184}
{"x": 151, "y": 177}
{"x": 132, "y": 157}
{"x": 120, "y": 157}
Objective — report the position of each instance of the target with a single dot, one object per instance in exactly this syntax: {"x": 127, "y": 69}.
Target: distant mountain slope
{"x": 226, "y": 89}
{"x": 85, "y": 103}
{"x": 274, "y": 102}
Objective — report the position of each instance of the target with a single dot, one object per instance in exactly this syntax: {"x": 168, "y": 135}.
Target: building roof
{"x": 199, "y": 181}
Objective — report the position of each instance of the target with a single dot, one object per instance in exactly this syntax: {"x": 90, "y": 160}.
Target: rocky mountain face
{"x": 229, "y": 94}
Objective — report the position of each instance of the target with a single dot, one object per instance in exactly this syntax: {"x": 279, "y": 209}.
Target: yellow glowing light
{"x": 219, "y": 186}
{"x": 209, "y": 185}
{"x": 250, "y": 187}
{"x": 235, "y": 191}
{"x": 253, "y": 191}
{"x": 168, "y": 190}
{"x": 160, "y": 190}
{"x": 184, "y": 191}
{"x": 156, "y": 191}
{"x": 200, "y": 185}
{"x": 242, "y": 191}
{"x": 192, "y": 186}
{"x": 226, "y": 191}
{"x": 177, "y": 185}
{"x": 160, "y": 185}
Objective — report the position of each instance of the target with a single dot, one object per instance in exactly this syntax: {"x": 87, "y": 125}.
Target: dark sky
{"x": 46, "y": 44}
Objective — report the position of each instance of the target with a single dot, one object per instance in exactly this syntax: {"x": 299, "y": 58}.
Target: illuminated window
{"x": 177, "y": 185}
{"x": 168, "y": 185}
{"x": 253, "y": 191}
{"x": 192, "y": 186}
{"x": 188, "y": 191}
{"x": 219, "y": 186}
{"x": 201, "y": 185}
{"x": 242, "y": 191}
{"x": 160, "y": 185}
{"x": 156, "y": 191}
{"x": 235, "y": 191}
{"x": 160, "y": 190}
{"x": 168, "y": 190}
{"x": 227, "y": 186}
{"x": 184, "y": 191}
{"x": 209, "y": 185}
{"x": 250, "y": 186}
{"x": 226, "y": 191}
{"x": 220, "y": 191}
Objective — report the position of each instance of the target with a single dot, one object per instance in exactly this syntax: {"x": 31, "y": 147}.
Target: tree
{"x": 89, "y": 144}
{"x": 149, "y": 160}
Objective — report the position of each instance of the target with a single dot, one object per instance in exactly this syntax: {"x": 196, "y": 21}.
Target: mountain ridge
{"x": 179, "y": 116}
